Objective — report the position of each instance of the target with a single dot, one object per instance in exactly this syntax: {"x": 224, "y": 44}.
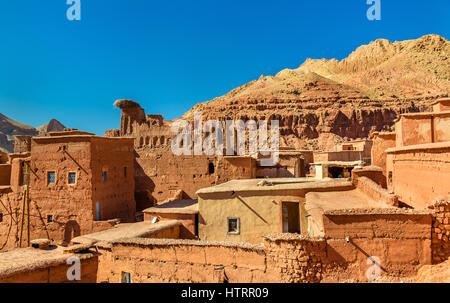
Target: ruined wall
{"x": 419, "y": 174}
{"x": 441, "y": 231}
{"x": 401, "y": 239}
{"x": 56, "y": 273}
{"x": 295, "y": 259}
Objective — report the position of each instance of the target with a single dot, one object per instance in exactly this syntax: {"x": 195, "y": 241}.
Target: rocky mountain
{"x": 52, "y": 126}
{"x": 10, "y": 128}
{"x": 344, "y": 99}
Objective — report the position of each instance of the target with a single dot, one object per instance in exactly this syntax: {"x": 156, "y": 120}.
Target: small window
{"x": 105, "y": 176}
{"x": 211, "y": 168}
{"x": 72, "y": 178}
{"x": 233, "y": 226}
{"x": 1, "y": 217}
{"x": 49, "y": 219}
{"x": 51, "y": 177}
{"x": 126, "y": 277}
{"x": 125, "y": 171}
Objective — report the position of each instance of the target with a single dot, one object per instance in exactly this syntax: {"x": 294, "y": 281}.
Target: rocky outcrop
{"x": 350, "y": 98}
{"x": 52, "y": 126}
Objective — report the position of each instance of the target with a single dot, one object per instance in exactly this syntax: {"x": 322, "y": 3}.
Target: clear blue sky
{"x": 170, "y": 55}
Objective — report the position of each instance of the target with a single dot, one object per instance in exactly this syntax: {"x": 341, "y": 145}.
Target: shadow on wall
{"x": 144, "y": 199}
{"x": 71, "y": 230}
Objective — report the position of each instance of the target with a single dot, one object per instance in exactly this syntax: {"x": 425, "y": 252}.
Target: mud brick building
{"x": 78, "y": 183}
{"x": 162, "y": 176}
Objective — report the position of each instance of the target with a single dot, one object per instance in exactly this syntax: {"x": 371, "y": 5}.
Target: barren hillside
{"x": 347, "y": 99}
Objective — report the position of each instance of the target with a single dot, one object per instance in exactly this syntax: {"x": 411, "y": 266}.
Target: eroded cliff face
{"x": 348, "y": 99}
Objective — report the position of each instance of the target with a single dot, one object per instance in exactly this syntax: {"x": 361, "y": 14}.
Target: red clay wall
{"x": 440, "y": 235}
{"x": 400, "y": 239}
{"x": 116, "y": 194}
{"x": 381, "y": 142}
{"x": 188, "y": 230}
{"x": 56, "y": 274}
{"x": 420, "y": 175}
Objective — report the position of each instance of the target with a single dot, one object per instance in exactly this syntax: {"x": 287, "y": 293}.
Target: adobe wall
{"x": 420, "y": 173}
{"x": 422, "y": 128}
{"x": 345, "y": 155}
{"x": 22, "y": 144}
{"x": 259, "y": 214}
{"x": 116, "y": 194}
{"x": 182, "y": 261}
{"x": 4, "y": 158}
{"x": 289, "y": 166}
{"x": 401, "y": 239}
{"x": 70, "y": 205}
{"x": 55, "y": 273}
{"x": 188, "y": 228}
{"x": 375, "y": 191}
{"x": 295, "y": 259}
{"x": 441, "y": 231}
{"x": 10, "y": 208}
{"x": 160, "y": 174}
{"x": 5, "y": 174}
{"x": 372, "y": 172}
{"x": 441, "y": 105}
{"x": 381, "y": 142}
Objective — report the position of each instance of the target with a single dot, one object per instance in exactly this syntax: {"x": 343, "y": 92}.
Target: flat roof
{"x": 175, "y": 207}
{"x": 275, "y": 184}
{"x": 441, "y": 100}
{"x": 339, "y": 163}
{"x": 437, "y": 145}
{"x": 22, "y": 260}
{"x": 125, "y": 231}
{"x": 334, "y": 200}
{"x": 423, "y": 114}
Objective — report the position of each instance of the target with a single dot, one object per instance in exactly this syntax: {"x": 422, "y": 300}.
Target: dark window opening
{"x": 211, "y": 168}
{"x": 126, "y": 277}
{"x": 290, "y": 217}
{"x": 51, "y": 177}
{"x": 125, "y": 171}
{"x": 339, "y": 172}
{"x": 233, "y": 226}
{"x": 105, "y": 176}
{"x": 72, "y": 178}
{"x": 49, "y": 219}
